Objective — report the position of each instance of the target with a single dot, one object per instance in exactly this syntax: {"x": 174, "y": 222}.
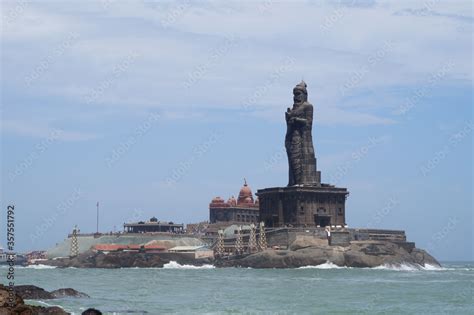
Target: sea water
{"x": 323, "y": 289}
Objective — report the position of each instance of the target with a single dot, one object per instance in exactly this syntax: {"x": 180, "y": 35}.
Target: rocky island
{"x": 301, "y": 224}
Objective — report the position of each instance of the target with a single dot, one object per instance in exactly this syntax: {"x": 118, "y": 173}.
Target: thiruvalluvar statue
{"x": 299, "y": 140}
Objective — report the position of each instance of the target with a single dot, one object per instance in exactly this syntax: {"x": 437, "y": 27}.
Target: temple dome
{"x": 245, "y": 194}
{"x": 232, "y": 201}
{"x": 217, "y": 200}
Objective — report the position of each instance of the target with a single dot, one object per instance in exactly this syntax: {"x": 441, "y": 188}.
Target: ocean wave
{"x": 174, "y": 265}
{"x": 326, "y": 265}
{"x": 410, "y": 267}
{"x": 40, "y": 266}
{"x": 402, "y": 267}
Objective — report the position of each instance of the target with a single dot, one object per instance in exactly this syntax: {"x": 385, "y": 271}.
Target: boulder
{"x": 22, "y": 308}
{"x": 32, "y": 292}
{"x": 68, "y": 292}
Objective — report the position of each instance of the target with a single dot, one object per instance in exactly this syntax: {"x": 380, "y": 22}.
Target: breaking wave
{"x": 174, "y": 265}
{"x": 407, "y": 267}
{"x": 402, "y": 267}
{"x": 326, "y": 265}
{"x": 40, "y": 267}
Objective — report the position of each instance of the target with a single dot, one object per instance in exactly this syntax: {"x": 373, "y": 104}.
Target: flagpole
{"x": 97, "y": 217}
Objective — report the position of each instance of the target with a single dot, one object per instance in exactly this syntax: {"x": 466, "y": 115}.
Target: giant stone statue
{"x": 299, "y": 141}
{"x": 306, "y": 201}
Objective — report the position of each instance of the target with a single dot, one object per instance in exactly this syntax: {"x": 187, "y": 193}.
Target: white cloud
{"x": 329, "y": 43}
{"x": 43, "y": 131}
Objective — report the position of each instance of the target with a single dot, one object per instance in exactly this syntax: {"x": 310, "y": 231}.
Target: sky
{"x": 152, "y": 108}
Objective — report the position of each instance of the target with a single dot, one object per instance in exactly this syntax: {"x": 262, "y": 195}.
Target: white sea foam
{"x": 402, "y": 267}
{"x": 433, "y": 268}
{"x": 174, "y": 265}
{"x": 39, "y": 266}
{"x": 409, "y": 267}
{"x": 326, "y": 265}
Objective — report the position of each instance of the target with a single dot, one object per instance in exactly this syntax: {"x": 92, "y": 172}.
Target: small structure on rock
{"x": 74, "y": 243}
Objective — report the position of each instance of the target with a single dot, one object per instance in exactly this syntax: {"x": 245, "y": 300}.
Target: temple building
{"x": 153, "y": 226}
{"x": 244, "y": 209}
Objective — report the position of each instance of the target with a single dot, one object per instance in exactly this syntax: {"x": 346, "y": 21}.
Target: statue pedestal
{"x": 303, "y": 206}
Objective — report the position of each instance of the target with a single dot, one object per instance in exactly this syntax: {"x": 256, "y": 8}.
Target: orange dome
{"x": 217, "y": 200}
{"x": 232, "y": 201}
{"x": 245, "y": 194}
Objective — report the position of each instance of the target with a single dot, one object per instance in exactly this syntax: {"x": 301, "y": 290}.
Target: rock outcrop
{"x": 32, "y": 292}
{"x": 21, "y": 308}
{"x": 91, "y": 259}
{"x": 358, "y": 254}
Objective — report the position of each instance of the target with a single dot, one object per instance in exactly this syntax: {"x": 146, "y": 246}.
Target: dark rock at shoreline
{"x": 366, "y": 254}
{"x": 32, "y": 292}
{"x": 68, "y": 292}
{"x": 91, "y": 259}
{"x": 21, "y": 308}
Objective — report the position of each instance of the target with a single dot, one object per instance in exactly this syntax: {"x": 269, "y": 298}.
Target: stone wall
{"x": 340, "y": 238}
{"x": 303, "y": 206}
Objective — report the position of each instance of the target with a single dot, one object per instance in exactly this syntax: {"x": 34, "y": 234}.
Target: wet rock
{"x": 91, "y": 259}
{"x": 68, "y": 292}
{"x": 32, "y": 292}
{"x": 20, "y": 308}
{"x": 362, "y": 254}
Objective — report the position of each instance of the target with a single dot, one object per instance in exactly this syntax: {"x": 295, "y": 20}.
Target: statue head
{"x": 300, "y": 94}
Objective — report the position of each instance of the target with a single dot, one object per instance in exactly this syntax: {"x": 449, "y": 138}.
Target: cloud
{"x": 42, "y": 131}
{"x": 424, "y": 12}
{"x": 330, "y": 43}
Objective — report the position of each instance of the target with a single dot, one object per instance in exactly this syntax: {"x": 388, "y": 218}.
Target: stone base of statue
{"x": 303, "y": 206}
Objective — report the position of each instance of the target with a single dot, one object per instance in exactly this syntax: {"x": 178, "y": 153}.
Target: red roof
{"x": 116, "y": 247}
{"x": 152, "y": 246}
{"x": 133, "y": 246}
{"x": 109, "y": 247}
